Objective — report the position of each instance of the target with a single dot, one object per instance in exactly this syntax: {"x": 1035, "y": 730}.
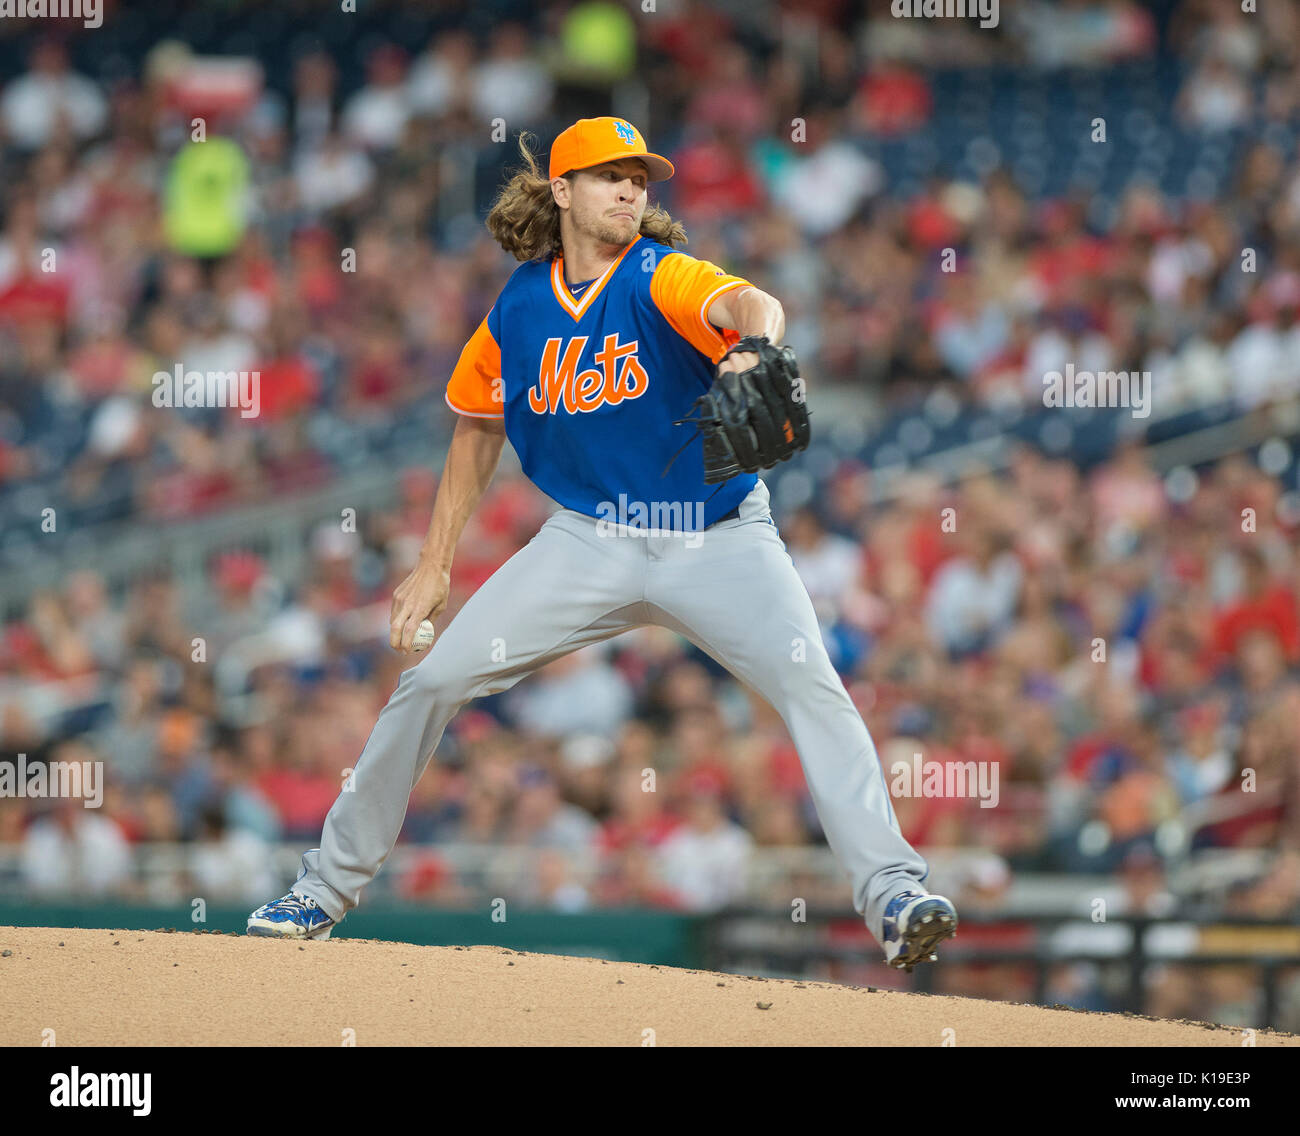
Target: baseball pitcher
{"x": 642, "y": 389}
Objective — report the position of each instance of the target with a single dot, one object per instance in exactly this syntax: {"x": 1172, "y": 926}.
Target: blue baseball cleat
{"x": 916, "y": 923}
{"x": 292, "y": 917}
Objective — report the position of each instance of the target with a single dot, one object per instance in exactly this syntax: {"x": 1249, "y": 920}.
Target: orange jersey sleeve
{"x": 475, "y": 385}
{"x": 682, "y": 288}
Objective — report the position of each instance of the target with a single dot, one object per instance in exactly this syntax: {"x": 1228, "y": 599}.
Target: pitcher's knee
{"x": 818, "y": 687}
{"x": 442, "y": 678}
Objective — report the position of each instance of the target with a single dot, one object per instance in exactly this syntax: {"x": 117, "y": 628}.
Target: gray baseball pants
{"x": 730, "y": 589}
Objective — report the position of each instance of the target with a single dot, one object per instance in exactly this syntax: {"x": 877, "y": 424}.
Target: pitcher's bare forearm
{"x": 471, "y": 461}
{"x": 749, "y": 311}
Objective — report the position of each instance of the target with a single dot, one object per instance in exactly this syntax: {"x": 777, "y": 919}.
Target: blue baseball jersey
{"x": 590, "y": 385}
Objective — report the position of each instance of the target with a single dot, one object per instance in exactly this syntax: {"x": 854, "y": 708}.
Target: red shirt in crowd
{"x": 300, "y": 799}
{"x": 714, "y": 180}
{"x": 287, "y": 386}
{"x": 1272, "y": 610}
{"x": 894, "y": 100}
{"x": 34, "y": 298}
{"x": 618, "y": 833}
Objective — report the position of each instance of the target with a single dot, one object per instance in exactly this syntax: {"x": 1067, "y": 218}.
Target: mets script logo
{"x": 560, "y": 383}
{"x": 624, "y": 131}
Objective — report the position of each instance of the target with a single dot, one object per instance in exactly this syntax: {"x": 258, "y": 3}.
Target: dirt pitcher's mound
{"x": 98, "y": 987}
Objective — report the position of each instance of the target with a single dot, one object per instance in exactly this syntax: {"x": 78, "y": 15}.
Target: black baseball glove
{"x": 752, "y": 419}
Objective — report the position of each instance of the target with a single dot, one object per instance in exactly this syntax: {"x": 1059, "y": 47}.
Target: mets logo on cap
{"x": 593, "y": 141}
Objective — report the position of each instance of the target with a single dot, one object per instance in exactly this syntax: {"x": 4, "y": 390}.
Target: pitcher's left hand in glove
{"x": 752, "y": 419}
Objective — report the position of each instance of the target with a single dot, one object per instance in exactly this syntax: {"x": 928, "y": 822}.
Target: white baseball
{"x": 423, "y": 637}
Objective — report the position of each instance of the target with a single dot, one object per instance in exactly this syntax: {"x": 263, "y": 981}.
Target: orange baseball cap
{"x": 591, "y": 141}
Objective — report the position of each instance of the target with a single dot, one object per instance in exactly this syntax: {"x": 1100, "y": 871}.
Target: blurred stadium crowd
{"x": 381, "y": 136}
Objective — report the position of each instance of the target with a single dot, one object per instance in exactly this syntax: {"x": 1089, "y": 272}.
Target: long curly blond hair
{"x": 525, "y": 221}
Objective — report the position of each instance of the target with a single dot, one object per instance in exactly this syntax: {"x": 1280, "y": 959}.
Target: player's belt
{"x": 734, "y": 515}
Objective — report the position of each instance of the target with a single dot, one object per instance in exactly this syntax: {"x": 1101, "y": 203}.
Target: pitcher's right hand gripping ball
{"x": 752, "y": 419}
